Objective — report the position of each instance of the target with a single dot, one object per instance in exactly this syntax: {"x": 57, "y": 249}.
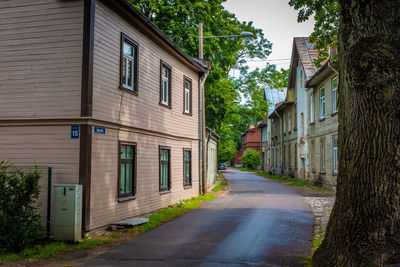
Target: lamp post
{"x": 203, "y": 148}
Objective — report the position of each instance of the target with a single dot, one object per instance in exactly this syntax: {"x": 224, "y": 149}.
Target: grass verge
{"x": 316, "y": 242}
{"x": 222, "y": 183}
{"x": 56, "y": 249}
{"x": 294, "y": 181}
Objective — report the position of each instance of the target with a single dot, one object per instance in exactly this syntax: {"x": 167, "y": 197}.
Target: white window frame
{"x": 187, "y": 96}
{"x": 335, "y": 154}
{"x": 322, "y": 154}
{"x": 126, "y": 60}
{"x": 322, "y": 104}
{"x": 334, "y": 95}
{"x": 311, "y": 108}
{"x": 165, "y": 85}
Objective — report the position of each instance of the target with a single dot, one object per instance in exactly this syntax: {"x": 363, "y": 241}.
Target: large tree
{"x": 364, "y": 227}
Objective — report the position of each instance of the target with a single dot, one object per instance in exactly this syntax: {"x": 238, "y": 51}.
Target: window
{"x": 289, "y": 162}
{"x": 334, "y": 95}
{"x": 301, "y": 78}
{"x": 187, "y": 96}
{"x": 284, "y": 156}
{"x": 322, "y": 103}
{"x": 322, "y": 155}
{"x": 335, "y": 155}
{"x": 187, "y": 167}
{"x": 289, "y": 122}
{"x": 165, "y": 170}
{"x": 295, "y": 156}
{"x": 127, "y": 161}
{"x": 295, "y": 117}
{"x": 129, "y": 69}
{"x": 165, "y": 90}
{"x": 311, "y": 108}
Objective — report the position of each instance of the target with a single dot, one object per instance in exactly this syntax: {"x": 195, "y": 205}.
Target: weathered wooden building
{"x": 96, "y": 91}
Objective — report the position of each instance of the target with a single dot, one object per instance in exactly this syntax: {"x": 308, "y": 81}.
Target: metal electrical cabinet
{"x": 68, "y": 212}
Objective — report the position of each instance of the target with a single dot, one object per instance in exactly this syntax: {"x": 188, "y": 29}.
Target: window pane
{"x": 124, "y": 71}
{"x": 122, "y": 186}
{"x": 128, "y": 49}
{"x": 123, "y": 152}
{"x": 128, "y": 178}
{"x": 129, "y": 152}
{"x": 130, "y": 73}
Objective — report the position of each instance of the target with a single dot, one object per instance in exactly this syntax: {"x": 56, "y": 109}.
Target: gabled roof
{"x": 304, "y": 51}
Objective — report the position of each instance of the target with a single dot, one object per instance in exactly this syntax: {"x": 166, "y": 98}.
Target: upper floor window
{"x": 129, "y": 69}
{"x": 311, "y": 108}
{"x": 301, "y": 78}
{"x": 165, "y": 90}
{"x": 322, "y": 102}
{"x": 334, "y": 94}
{"x": 187, "y": 96}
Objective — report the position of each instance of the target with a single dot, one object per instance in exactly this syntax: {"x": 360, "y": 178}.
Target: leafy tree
{"x": 19, "y": 218}
{"x": 251, "y": 158}
{"x": 326, "y": 28}
{"x": 364, "y": 226}
{"x": 179, "y": 20}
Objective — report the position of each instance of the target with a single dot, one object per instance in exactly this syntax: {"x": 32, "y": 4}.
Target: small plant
{"x": 19, "y": 217}
{"x": 251, "y": 158}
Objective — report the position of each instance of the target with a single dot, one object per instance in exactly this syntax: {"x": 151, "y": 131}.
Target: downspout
{"x": 201, "y": 117}
{"x": 281, "y": 134}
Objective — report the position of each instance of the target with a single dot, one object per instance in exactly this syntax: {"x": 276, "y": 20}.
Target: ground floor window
{"x": 322, "y": 155}
{"x": 127, "y": 170}
{"x": 335, "y": 155}
{"x": 165, "y": 171}
{"x": 187, "y": 167}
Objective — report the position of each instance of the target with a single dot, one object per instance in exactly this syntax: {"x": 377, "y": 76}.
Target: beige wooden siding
{"x": 40, "y": 58}
{"x": 105, "y": 208}
{"x": 43, "y": 146}
{"x": 141, "y": 111}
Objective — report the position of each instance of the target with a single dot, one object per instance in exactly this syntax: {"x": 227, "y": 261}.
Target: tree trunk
{"x": 364, "y": 227}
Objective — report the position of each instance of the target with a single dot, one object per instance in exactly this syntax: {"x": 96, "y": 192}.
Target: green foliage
{"x": 19, "y": 218}
{"x": 251, "y": 158}
{"x": 326, "y": 28}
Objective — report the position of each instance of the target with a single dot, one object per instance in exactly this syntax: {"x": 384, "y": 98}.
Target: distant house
{"x": 300, "y": 136}
{"x": 250, "y": 139}
{"x": 322, "y": 92}
{"x": 212, "y": 157}
{"x": 273, "y": 97}
{"x": 96, "y": 91}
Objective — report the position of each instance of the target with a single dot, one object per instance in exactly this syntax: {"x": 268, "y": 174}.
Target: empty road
{"x": 259, "y": 222}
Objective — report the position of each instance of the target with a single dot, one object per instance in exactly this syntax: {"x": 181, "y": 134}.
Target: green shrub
{"x": 251, "y": 158}
{"x": 19, "y": 218}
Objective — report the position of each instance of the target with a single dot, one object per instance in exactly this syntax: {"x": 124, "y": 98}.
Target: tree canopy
{"x": 326, "y": 27}
{"x": 179, "y": 20}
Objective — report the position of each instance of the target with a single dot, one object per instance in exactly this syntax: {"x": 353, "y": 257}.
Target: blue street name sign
{"x": 74, "y": 131}
{"x": 99, "y": 130}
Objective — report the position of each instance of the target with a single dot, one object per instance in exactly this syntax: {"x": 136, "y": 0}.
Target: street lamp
{"x": 203, "y": 148}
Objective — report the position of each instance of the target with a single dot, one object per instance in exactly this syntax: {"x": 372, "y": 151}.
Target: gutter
{"x": 203, "y": 79}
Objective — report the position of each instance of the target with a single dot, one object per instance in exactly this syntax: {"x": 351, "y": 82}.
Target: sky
{"x": 279, "y": 23}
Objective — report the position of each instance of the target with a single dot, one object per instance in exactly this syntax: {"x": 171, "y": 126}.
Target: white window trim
{"x": 334, "y": 96}
{"x": 128, "y": 58}
{"x": 335, "y": 152}
{"x": 165, "y": 88}
{"x": 311, "y": 108}
{"x": 187, "y": 97}
{"x": 322, "y": 102}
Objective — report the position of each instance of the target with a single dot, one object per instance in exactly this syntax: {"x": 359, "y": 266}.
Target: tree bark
{"x": 364, "y": 227}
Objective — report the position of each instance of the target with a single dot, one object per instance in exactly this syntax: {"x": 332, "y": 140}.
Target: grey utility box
{"x": 68, "y": 212}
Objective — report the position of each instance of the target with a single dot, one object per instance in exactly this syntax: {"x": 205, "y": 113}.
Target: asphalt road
{"x": 260, "y": 222}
